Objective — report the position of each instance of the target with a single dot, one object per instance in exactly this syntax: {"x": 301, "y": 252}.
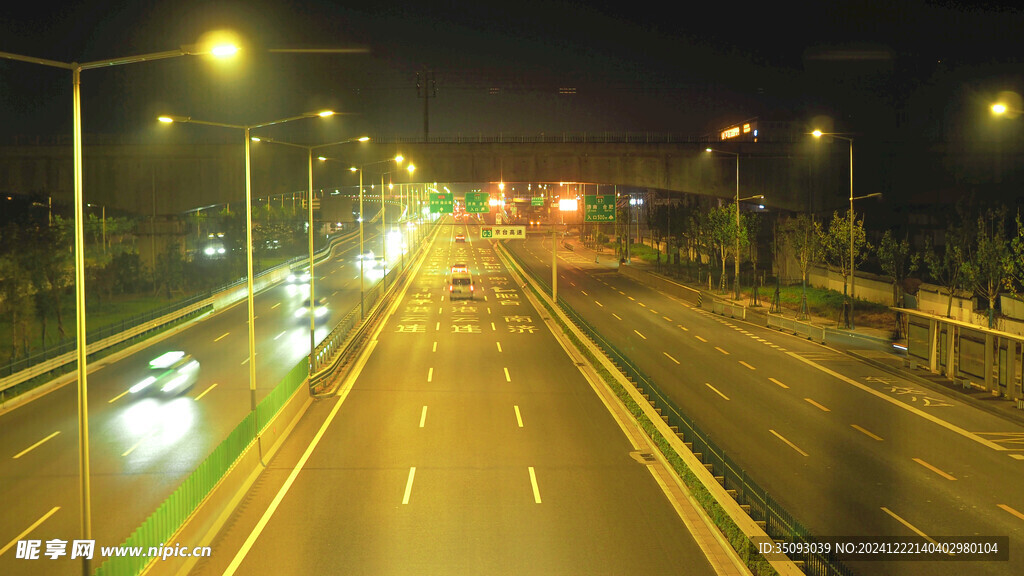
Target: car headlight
{"x": 142, "y": 385}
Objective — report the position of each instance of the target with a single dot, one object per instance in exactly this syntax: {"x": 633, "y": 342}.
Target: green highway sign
{"x": 478, "y": 202}
{"x": 536, "y": 201}
{"x": 599, "y": 208}
{"x": 499, "y": 232}
{"x": 441, "y": 203}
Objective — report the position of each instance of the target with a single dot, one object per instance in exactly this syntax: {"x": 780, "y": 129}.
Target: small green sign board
{"x": 477, "y": 202}
{"x": 493, "y": 232}
{"x": 599, "y": 208}
{"x": 536, "y": 201}
{"x": 441, "y": 203}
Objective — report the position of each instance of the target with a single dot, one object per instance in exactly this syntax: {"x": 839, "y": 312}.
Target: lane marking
{"x": 137, "y": 444}
{"x": 34, "y": 446}
{"x": 616, "y": 316}
{"x": 816, "y": 405}
{"x": 867, "y": 433}
{"x": 934, "y": 419}
{"x": 499, "y": 346}
{"x": 1017, "y": 456}
{"x": 667, "y": 318}
{"x": 640, "y": 335}
{"x": 641, "y": 303}
{"x": 200, "y": 397}
{"x": 507, "y": 377}
{"x": 519, "y": 417}
{"x": 1003, "y": 506}
{"x": 584, "y": 292}
{"x": 118, "y": 397}
{"x": 788, "y": 443}
{"x": 683, "y": 328}
{"x": 434, "y": 348}
{"x": 779, "y": 383}
{"x": 945, "y": 475}
{"x": 29, "y": 530}
{"x": 437, "y": 327}
{"x": 630, "y": 297}
{"x": 699, "y": 338}
{"x": 219, "y": 338}
{"x": 722, "y": 351}
{"x": 716, "y": 390}
{"x": 275, "y": 305}
{"x": 408, "y": 485}
{"x": 598, "y": 303}
{"x": 423, "y": 417}
{"x": 536, "y": 489}
{"x": 747, "y": 365}
{"x": 281, "y": 334}
{"x": 430, "y": 375}
{"x": 907, "y": 524}
{"x": 670, "y": 357}
{"x": 493, "y": 329}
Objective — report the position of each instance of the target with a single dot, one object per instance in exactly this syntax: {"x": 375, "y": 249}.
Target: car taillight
{"x": 450, "y": 287}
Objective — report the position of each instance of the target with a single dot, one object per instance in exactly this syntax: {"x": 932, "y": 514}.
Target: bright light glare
{"x": 999, "y": 108}
{"x": 166, "y": 119}
{"x": 326, "y": 113}
{"x": 567, "y": 205}
{"x": 166, "y": 359}
{"x": 224, "y": 50}
{"x": 817, "y": 133}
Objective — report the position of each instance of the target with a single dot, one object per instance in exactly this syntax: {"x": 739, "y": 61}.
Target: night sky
{"x": 907, "y": 74}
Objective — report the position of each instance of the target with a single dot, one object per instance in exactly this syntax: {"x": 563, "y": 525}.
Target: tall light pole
{"x": 736, "y": 277}
{"x": 819, "y": 134}
{"x": 309, "y": 207}
{"x": 398, "y": 158}
{"x": 250, "y": 296}
{"x": 222, "y": 50}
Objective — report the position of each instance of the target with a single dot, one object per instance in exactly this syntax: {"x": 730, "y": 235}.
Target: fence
{"x": 160, "y": 526}
{"x": 778, "y": 523}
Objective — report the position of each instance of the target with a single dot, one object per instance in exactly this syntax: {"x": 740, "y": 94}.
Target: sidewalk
{"x": 871, "y": 345}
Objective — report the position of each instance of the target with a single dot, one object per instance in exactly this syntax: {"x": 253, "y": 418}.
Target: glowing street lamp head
{"x": 166, "y": 119}
{"x": 411, "y": 168}
{"x": 224, "y": 50}
{"x": 353, "y": 169}
{"x": 999, "y": 108}
{"x": 325, "y": 113}
{"x": 399, "y": 159}
{"x": 817, "y": 133}
{"x": 363, "y": 138}
{"x": 708, "y": 150}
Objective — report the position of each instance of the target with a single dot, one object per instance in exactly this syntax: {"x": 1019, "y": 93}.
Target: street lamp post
{"x": 819, "y": 134}
{"x": 736, "y": 273}
{"x": 309, "y": 213}
{"x": 76, "y": 105}
{"x": 250, "y": 296}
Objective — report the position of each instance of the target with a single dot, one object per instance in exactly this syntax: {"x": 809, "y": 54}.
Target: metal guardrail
{"x": 812, "y": 332}
{"x": 779, "y": 523}
{"x": 63, "y": 354}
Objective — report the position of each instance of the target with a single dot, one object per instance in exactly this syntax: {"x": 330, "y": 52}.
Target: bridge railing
{"x": 553, "y": 138}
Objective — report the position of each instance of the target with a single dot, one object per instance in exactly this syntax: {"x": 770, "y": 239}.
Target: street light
{"x": 362, "y": 305}
{"x": 248, "y": 225}
{"x": 309, "y": 206}
{"x": 736, "y": 283}
{"x": 819, "y": 134}
{"x": 220, "y": 50}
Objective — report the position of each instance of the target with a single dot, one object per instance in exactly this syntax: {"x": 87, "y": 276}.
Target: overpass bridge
{"x": 162, "y": 178}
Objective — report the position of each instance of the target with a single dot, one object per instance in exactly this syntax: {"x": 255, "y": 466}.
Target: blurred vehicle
{"x": 368, "y": 260}
{"x": 319, "y": 310}
{"x": 460, "y": 237}
{"x": 460, "y": 282}
{"x": 170, "y": 373}
{"x": 299, "y": 274}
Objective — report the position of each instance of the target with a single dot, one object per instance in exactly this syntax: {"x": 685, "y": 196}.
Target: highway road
{"x": 468, "y": 443}
{"x": 846, "y": 448}
{"x": 142, "y": 448}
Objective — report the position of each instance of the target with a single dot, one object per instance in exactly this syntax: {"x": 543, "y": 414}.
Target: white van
{"x": 460, "y": 282}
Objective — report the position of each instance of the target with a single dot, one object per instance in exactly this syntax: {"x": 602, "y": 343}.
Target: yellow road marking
{"x": 200, "y": 397}
{"x": 717, "y": 391}
{"x": 934, "y": 469}
{"x": 790, "y": 444}
{"x": 779, "y": 383}
{"x": 1003, "y": 506}
{"x": 867, "y": 433}
{"x": 816, "y": 405}
{"x": 747, "y": 365}
{"x": 907, "y": 524}
{"x": 670, "y": 357}
{"x": 34, "y": 446}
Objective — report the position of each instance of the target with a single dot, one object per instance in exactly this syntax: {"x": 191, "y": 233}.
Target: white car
{"x": 170, "y": 373}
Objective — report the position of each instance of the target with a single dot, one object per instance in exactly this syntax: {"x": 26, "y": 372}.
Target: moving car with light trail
{"x": 170, "y": 373}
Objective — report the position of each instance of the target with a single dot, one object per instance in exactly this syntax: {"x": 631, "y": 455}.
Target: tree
{"x": 835, "y": 250}
{"x": 51, "y": 267}
{"x": 803, "y": 235}
{"x": 1015, "y": 261}
{"x": 897, "y": 261}
{"x": 752, "y": 227}
{"x": 721, "y": 226}
{"x": 985, "y": 267}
